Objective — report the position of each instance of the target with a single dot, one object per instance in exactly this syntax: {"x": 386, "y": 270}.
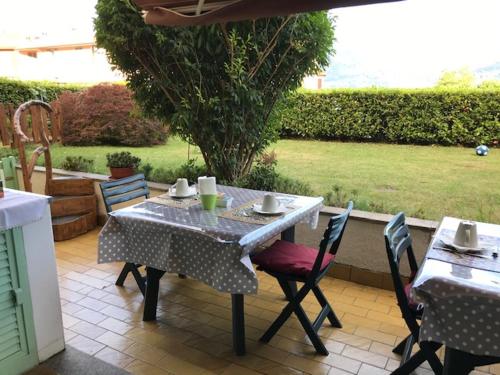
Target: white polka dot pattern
{"x": 459, "y": 314}
{"x": 194, "y": 242}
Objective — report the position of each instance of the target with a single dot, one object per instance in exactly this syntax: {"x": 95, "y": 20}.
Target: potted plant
{"x": 122, "y": 164}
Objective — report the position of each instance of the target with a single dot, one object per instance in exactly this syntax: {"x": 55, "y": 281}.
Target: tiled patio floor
{"x": 193, "y": 333}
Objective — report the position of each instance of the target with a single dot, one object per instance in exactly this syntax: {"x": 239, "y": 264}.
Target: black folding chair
{"x": 120, "y": 191}
{"x": 398, "y": 242}
{"x": 291, "y": 263}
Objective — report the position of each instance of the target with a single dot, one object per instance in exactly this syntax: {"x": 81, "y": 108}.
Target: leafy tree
{"x": 462, "y": 78}
{"x": 216, "y": 85}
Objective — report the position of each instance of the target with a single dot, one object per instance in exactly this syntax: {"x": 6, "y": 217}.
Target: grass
{"x": 425, "y": 181}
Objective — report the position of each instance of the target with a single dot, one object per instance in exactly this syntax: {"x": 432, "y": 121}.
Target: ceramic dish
{"x": 190, "y": 193}
{"x": 258, "y": 208}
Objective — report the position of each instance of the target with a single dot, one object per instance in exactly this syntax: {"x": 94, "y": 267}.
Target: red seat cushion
{"x": 413, "y": 305}
{"x": 289, "y": 258}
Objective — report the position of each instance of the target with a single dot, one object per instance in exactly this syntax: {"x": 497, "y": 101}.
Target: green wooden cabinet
{"x": 17, "y": 336}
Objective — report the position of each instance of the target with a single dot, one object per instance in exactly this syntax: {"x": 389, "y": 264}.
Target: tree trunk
{"x": 230, "y": 167}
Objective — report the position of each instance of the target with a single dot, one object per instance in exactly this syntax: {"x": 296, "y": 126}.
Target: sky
{"x": 401, "y": 44}
{"x": 409, "y": 43}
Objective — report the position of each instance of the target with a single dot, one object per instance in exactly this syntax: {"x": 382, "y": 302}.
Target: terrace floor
{"x": 193, "y": 332}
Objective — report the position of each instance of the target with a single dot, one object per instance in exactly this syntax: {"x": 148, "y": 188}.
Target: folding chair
{"x": 120, "y": 191}
{"x": 398, "y": 242}
{"x": 290, "y": 263}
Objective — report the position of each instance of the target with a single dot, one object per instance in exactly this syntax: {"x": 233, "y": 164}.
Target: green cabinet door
{"x": 17, "y": 337}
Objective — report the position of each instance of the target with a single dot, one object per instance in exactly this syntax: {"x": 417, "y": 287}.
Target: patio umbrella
{"x": 205, "y": 12}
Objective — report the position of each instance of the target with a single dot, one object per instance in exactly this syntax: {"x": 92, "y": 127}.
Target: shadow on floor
{"x": 75, "y": 362}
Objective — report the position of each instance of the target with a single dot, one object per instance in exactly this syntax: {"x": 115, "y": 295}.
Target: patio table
{"x": 461, "y": 297}
{"x": 201, "y": 244}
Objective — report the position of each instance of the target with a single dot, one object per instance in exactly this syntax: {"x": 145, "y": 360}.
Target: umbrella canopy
{"x": 205, "y": 12}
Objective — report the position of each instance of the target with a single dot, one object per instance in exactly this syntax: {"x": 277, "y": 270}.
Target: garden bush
{"x": 107, "y": 115}
{"x": 189, "y": 170}
{"x": 7, "y": 151}
{"x": 18, "y": 92}
{"x": 263, "y": 176}
{"x": 77, "y": 164}
{"x": 415, "y": 116}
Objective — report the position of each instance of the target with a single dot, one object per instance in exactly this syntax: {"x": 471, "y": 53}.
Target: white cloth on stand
{"x": 18, "y": 208}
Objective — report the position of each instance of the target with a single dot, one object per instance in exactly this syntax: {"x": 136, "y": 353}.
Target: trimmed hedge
{"x": 417, "y": 116}
{"x": 18, "y": 92}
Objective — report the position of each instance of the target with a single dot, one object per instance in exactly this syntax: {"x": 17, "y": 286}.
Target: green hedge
{"x": 417, "y": 116}
{"x": 18, "y": 92}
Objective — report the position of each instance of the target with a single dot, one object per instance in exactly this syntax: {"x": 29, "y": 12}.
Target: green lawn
{"x": 424, "y": 181}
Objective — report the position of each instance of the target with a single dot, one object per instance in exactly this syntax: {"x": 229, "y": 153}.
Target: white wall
{"x": 83, "y": 65}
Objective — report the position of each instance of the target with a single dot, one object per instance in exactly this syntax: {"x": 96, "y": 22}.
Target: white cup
{"x": 466, "y": 234}
{"x": 270, "y": 203}
{"x": 181, "y": 187}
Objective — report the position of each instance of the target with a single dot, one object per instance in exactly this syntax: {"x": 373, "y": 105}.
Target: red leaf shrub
{"x": 107, "y": 115}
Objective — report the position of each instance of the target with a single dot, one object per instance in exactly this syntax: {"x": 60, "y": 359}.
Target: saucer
{"x": 460, "y": 248}
{"x": 465, "y": 249}
{"x": 190, "y": 193}
{"x": 258, "y": 208}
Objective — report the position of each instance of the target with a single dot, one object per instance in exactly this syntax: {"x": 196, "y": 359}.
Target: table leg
{"x": 457, "y": 362}
{"x": 289, "y": 235}
{"x": 153, "y": 277}
{"x": 238, "y": 323}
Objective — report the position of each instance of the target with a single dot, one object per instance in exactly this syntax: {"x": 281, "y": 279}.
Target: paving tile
{"x": 69, "y": 321}
{"x": 141, "y": 368}
{"x": 85, "y": 344}
{"x": 116, "y": 326}
{"x": 193, "y": 330}
{"x": 92, "y": 303}
{"x": 114, "y": 357}
{"x": 336, "y": 371}
{"x": 145, "y": 353}
{"x": 344, "y": 363}
{"x": 371, "y": 370}
{"x": 90, "y": 316}
{"x": 88, "y": 330}
{"x": 365, "y": 356}
{"x": 375, "y": 335}
{"x": 238, "y": 370}
{"x": 115, "y": 341}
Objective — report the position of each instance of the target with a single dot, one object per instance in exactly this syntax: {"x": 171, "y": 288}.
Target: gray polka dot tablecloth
{"x": 461, "y": 303}
{"x": 198, "y": 243}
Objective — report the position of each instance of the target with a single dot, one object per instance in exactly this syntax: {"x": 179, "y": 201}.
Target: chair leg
{"x": 311, "y": 333}
{"x": 429, "y": 348}
{"x": 405, "y": 356}
{"x": 409, "y": 366}
{"x": 334, "y": 321}
{"x": 294, "y": 306}
{"x": 401, "y": 346}
{"x": 279, "y": 321}
{"x": 427, "y": 353}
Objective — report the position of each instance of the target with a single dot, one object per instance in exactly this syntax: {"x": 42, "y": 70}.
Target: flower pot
{"x": 117, "y": 173}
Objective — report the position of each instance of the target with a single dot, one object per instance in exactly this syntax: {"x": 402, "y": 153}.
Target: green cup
{"x": 208, "y": 201}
